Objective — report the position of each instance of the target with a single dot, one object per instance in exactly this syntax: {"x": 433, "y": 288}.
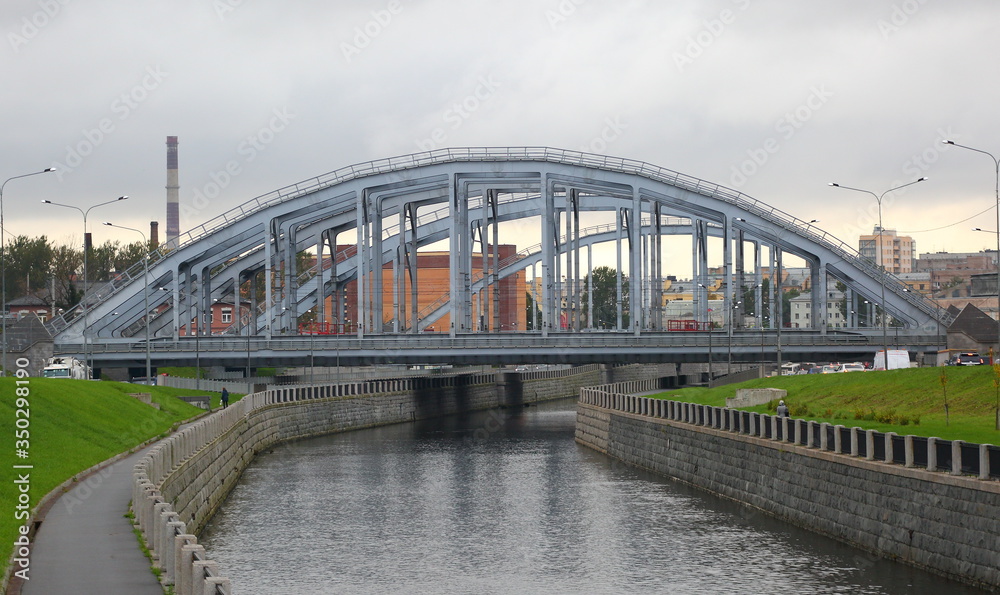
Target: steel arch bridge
{"x": 392, "y": 208}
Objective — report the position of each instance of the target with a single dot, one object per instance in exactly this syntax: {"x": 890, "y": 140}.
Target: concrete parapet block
{"x": 908, "y": 447}
{"x": 932, "y": 454}
{"x": 158, "y": 526}
{"x": 185, "y": 563}
{"x": 855, "y": 451}
{"x": 750, "y": 397}
{"x": 199, "y": 570}
{"x": 984, "y": 461}
{"x": 824, "y": 440}
{"x": 956, "y": 457}
{"x": 138, "y": 497}
{"x": 168, "y": 560}
{"x": 838, "y": 439}
{"x": 180, "y": 542}
{"x": 212, "y": 585}
{"x": 153, "y": 497}
{"x": 870, "y": 445}
{"x": 890, "y": 456}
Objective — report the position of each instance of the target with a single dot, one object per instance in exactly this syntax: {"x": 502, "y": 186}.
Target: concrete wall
{"x": 944, "y": 522}
{"x": 184, "y": 479}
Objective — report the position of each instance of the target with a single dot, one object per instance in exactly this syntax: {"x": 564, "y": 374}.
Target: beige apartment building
{"x": 896, "y": 253}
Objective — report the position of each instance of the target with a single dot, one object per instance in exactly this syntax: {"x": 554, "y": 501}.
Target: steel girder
{"x": 475, "y": 189}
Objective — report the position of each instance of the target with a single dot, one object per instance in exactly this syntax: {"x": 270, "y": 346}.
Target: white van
{"x": 790, "y": 369}
{"x": 898, "y": 358}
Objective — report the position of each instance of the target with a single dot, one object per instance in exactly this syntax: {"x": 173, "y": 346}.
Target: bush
{"x": 885, "y": 417}
{"x": 864, "y": 414}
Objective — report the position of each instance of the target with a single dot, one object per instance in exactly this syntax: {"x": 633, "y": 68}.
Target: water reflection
{"x": 507, "y": 502}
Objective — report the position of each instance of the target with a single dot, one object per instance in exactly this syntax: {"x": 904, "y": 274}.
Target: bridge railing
{"x": 450, "y": 155}
{"x": 741, "y": 342}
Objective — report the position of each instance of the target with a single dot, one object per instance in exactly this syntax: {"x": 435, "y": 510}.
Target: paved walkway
{"x": 85, "y": 545}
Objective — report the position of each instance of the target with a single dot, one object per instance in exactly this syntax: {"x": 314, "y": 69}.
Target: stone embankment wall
{"x": 877, "y": 492}
{"x": 185, "y": 478}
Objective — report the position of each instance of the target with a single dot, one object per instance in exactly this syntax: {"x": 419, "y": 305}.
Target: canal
{"x": 506, "y": 502}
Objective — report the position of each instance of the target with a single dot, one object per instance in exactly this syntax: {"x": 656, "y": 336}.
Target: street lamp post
{"x": 3, "y": 269}
{"x": 249, "y": 381}
{"x": 732, "y": 312}
{"x": 994, "y": 358}
{"x": 879, "y": 259}
{"x": 710, "y": 327}
{"x": 86, "y": 311}
{"x": 145, "y": 296}
{"x": 996, "y": 163}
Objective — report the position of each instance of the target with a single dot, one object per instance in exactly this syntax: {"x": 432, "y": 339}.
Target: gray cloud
{"x": 699, "y": 87}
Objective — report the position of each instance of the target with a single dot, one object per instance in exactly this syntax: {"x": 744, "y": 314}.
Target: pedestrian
{"x": 782, "y": 409}
{"x": 225, "y": 397}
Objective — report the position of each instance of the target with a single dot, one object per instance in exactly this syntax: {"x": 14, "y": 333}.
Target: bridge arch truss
{"x": 360, "y": 220}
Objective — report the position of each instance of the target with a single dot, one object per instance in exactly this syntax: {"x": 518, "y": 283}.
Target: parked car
{"x": 815, "y": 370}
{"x": 968, "y": 358}
{"x": 853, "y": 367}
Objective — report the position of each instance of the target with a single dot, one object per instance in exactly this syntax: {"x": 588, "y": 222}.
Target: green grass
{"x": 75, "y": 424}
{"x": 907, "y": 401}
{"x": 190, "y": 372}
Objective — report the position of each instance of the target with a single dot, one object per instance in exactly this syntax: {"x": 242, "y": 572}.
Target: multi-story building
{"x": 896, "y": 252}
{"x": 802, "y": 314}
{"x": 433, "y": 289}
{"x": 951, "y": 273}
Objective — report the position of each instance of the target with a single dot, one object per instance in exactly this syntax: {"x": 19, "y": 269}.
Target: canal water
{"x": 506, "y": 502}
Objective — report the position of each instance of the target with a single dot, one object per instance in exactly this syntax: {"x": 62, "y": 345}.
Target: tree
{"x": 750, "y": 300}
{"x": 101, "y": 261}
{"x": 532, "y": 313}
{"x": 130, "y": 254}
{"x": 786, "y": 306}
{"x": 605, "y": 288}
{"x": 27, "y": 265}
{"x": 66, "y": 261}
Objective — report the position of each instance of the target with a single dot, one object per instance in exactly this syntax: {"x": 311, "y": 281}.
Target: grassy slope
{"x": 76, "y": 424}
{"x": 915, "y": 393}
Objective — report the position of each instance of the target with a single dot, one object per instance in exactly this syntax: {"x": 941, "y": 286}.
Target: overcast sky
{"x": 771, "y": 97}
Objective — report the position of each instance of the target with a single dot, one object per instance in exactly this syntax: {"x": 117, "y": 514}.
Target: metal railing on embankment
{"x": 934, "y": 454}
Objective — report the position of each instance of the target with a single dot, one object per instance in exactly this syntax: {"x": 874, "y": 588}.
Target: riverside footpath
{"x": 85, "y": 544}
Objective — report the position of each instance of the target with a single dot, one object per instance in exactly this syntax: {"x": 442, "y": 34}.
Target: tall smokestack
{"x": 173, "y": 203}
{"x": 154, "y": 235}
